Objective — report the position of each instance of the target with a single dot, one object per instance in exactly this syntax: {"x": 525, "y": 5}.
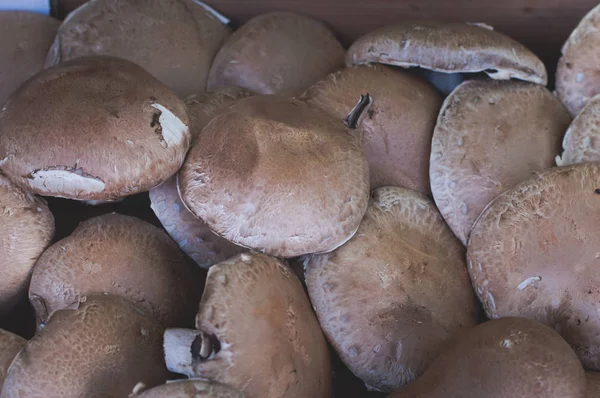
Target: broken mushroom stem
{"x": 356, "y": 114}
{"x": 185, "y": 347}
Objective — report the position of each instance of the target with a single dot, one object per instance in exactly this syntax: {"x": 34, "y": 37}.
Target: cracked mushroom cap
{"x": 593, "y": 384}
{"x": 256, "y": 332}
{"x": 450, "y": 48}
{"x": 10, "y": 345}
{"x": 101, "y": 349}
{"x": 277, "y": 175}
{"x": 580, "y": 143}
{"x": 104, "y": 129}
{"x": 191, "y": 388}
{"x": 534, "y": 253}
{"x": 24, "y": 41}
{"x": 395, "y": 293}
{"x": 491, "y": 135}
{"x": 27, "y": 228}
{"x": 120, "y": 255}
{"x": 174, "y": 40}
{"x": 508, "y": 357}
{"x": 277, "y": 53}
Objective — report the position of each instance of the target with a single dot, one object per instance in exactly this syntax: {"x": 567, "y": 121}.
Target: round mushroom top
{"x": 277, "y": 175}
{"x": 174, "y": 40}
{"x": 533, "y": 253}
{"x": 449, "y": 47}
{"x": 190, "y": 388}
{"x": 97, "y": 128}
{"x": 10, "y": 345}
{"x": 580, "y": 143}
{"x": 277, "y": 53}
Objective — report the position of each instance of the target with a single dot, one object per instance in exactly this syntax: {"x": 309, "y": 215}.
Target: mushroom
{"x": 508, "y": 357}
{"x": 580, "y": 143}
{"x": 277, "y": 175}
{"x": 277, "y": 53}
{"x": 100, "y": 349}
{"x": 27, "y": 228}
{"x": 10, "y": 345}
{"x": 24, "y": 41}
{"x": 491, "y": 135}
{"x": 395, "y": 129}
{"x": 97, "y": 128}
{"x": 593, "y": 384}
{"x": 120, "y": 255}
{"x": 256, "y": 332}
{"x": 533, "y": 253}
{"x": 390, "y": 298}
{"x": 174, "y": 40}
{"x": 191, "y": 388}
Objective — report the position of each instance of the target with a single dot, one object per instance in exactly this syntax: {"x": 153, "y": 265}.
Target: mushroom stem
{"x": 184, "y": 347}
{"x": 362, "y": 106}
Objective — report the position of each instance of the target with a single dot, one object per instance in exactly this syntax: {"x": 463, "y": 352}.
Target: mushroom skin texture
{"x": 100, "y": 349}
{"x": 580, "y": 143}
{"x": 120, "y": 255}
{"x": 103, "y": 128}
{"x": 24, "y": 41}
{"x": 277, "y": 175}
{"x": 27, "y": 228}
{"x": 507, "y": 357}
{"x": 533, "y": 253}
{"x": 448, "y": 47}
{"x": 257, "y": 331}
{"x": 10, "y": 345}
{"x": 593, "y": 384}
{"x": 277, "y": 53}
{"x": 414, "y": 290}
{"x": 190, "y": 388}
{"x": 491, "y": 135}
{"x": 395, "y": 130}
{"x": 174, "y": 40}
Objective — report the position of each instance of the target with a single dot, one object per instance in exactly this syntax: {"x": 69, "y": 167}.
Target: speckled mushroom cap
{"x": 10, "y": 345}
{"x": 580, "y": 143}
{"x": 508, "y": 357}
{"x": 395, "y": 130}
{"x": 277, "y": 53}
{"x": 395, "y": 293}
{"x": 277, "y": 175}
{"x": 103, "y": 128}
{"x": 264, "y": 339}
{"x": 120, "y": 255}
{"x": 101, "y": 349}
{"x": 26, "y": 229}
{"x": 533, "y": 253}
{"x": 24, "y": 41}
{"x": 191, "y": 388}
{"x": 174, "y": 40}
{"x": 491, "y": 135}
{"x": 448, "y": 47}
{"x": 593, "y": 384}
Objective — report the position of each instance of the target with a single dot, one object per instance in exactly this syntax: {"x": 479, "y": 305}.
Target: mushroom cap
{"x": 533, "y": 253}
{"x": 396, "y": 131}
{"x": 277, "y": 175}
{"x": 10, "y": 345}
{"x": 508, "y": 357}
{"x": 277, "y": 53}
{"x": 190, "y": 388}
{"x": 593, "y": 384}
{"x": 395, "y": 293}
{"x": 580, "y": 143}
{"x": 448, "y": 47}
{"x": 120, "y": 255}
{"x": 96, "y": 128}
{"x": 24, "y": 41}
{"x": 101, "y": 349}
{"x": 174, "y": 40}
{"x": 27, "y": 228}
{"x": 491, "y": 135}
{"x": 578, "y": 73}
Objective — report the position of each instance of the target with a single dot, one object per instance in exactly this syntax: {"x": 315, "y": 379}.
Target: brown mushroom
{"x": 491, "y": 135}
{"x": 191, "y": 388}
{"x": 508, "y": 357}
{"x": 396, "y": 128}
{"x": 593, "y": 384}
{"x": 10, "y": 345}
{"x": 395, "y": 293}
{"x": 256, "y": 332}
{"x": 580, "y": 143}
{"x": 533, "y": 253}
{"x": 277, "y": 53}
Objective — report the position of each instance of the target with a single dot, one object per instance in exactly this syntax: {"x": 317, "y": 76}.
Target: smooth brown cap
{"x": 26, "y": 229}
{"x": 491, "y": 135}
{"x": 191, "y": 388}
{"x": 174, "y": 40}
{"x": 593, "y": 384}
{"x": 277, "y": 53}
{"x": 24, "y": 41}
{"x": 534, "y": 253}
{"x": 10, "y": 345}
{"x": 395, "y": 293}
{"x": 277, "y": 175}
{"x": 508, "y": 357}
{"x": 449, "y": 47}
{"x": 101, "y": 349}
{"x": 97, "y": 128}
{"x": 581, "y": 141}
{"x": 120, "y": 255}
{"x": 396, "y": 128}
